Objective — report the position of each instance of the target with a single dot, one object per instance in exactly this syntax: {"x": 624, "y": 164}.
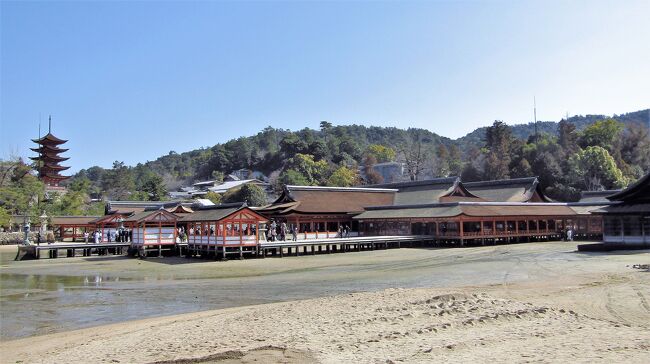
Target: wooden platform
{"x": 341, "y": 245}
{"x": 71, "y": 250}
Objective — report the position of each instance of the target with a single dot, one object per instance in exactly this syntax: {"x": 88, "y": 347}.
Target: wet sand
{"x": 525, "y": 302}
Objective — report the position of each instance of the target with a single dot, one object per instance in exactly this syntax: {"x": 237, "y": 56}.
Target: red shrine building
{"x": 49, "y": 159}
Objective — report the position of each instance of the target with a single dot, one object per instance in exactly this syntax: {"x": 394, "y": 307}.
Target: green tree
{"x": 498, "y": 138}
{"x": 70, "y": 203}
{"x": 118, "y": 183}
{"x": 381, "y": 153}
{"x": 153, "y": 187}
{"x": 603, "y": 133}
{"x": 250, "y": 193}
{"x": 293, "y": 177}
{"x": 292, "y": 145}
{"x": 343, "y": 177}
{"x": 214, "y": 197}
{"x": 594, "y": 169}
{"x": 568, "y": 137}
{"x": 20, "y": 190}
{"x": 313, "y": 171}
{"x": 454, "y": 161}
{"x": 5, "y": 217}
{"x": 217, "y": 176}
{"x": 371, "y": 176}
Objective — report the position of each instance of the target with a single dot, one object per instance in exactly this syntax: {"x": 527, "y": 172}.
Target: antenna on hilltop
{"x": 535, "y": 116}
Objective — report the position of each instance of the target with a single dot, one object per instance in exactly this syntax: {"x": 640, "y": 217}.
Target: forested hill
{"x": 580, "y": 148}
{"x": 523, "y": 131}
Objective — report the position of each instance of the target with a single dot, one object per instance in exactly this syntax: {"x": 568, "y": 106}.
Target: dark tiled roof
{"x": 430, "y": 191}
{"x": 637, "y": 192}
{"x": 596, "y": 196}
{"x": 428, "y": 182}
{"x": 474, "y": 209}
{"x": 508, "y": 190}
{"x": 625, "y": 209}
{"x": 330, "y": 199}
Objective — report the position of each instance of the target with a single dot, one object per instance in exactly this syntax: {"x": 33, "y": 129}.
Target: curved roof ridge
{"x": 340, "y": 189}
{"x": 440, "y": 180}
{"x": 533, "y": 179}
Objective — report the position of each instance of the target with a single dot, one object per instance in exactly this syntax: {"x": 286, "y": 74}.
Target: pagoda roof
{"x": 57, "y": 177}
{"x": 46, "y": 157}
{"x": 54, "y": 167}
{"x": 48, "y": 149}
{"x": 49, "y": 138}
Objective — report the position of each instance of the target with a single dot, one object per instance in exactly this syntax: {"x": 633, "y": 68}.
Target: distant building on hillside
{"x": 390, "y": 171}
{"x": 200, "y": 189}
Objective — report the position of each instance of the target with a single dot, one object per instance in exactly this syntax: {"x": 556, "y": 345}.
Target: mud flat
{"x": 527, "y": 302}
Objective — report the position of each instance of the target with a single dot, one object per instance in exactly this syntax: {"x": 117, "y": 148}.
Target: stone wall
{"x": 11, "y": 238}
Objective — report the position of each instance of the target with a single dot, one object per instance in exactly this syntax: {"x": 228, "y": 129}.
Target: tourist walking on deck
{"x": 96, "y": 236}
{"x": 283, "y": 231}
{"x": 273, "y": 231}
{"x": 294, "y": 233}
{"x": 85, "y": 236}
{"x": 346, "y": 230}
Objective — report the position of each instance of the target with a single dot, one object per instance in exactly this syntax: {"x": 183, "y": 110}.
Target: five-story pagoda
{"x": 47, "y": 162}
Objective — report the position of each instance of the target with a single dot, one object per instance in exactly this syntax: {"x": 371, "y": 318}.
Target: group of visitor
{"x": 118, "y": 236}
{"x": 344, "y": 231}
{"x": 279, "y": 232}
{"x": 181, "y": 235}
{"x": 567, "y": 234}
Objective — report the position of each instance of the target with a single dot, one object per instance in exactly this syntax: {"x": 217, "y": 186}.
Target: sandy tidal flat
{"x": 573, "y": 313}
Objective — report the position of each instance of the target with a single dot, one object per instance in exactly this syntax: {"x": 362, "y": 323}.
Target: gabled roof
{"x": 509, "y": 190}
{"x": 73, "y": 220}
{"x": 161, "y": 215}
{"x": 180, "y": 209}
{"x": 129, "y": 207}
{"x": 315, "y": 199}
{"x": 435, "y": 190}
{"x": 220, "y": 212}
{"x": 635, "y": 193}
{"x": 596, "y": 196}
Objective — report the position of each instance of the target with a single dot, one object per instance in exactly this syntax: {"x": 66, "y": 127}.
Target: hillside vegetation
{"x": 582, "y": 153}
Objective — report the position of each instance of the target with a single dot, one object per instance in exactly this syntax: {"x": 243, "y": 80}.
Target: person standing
{"x": 283, "y": 231}
{"x": 85, "y": 236}
{"x": 96, "y": 236}
{"x": 294, "y": 233}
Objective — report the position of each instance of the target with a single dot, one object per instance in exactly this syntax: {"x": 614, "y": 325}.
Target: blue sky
{"x": 131, "y": 81}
